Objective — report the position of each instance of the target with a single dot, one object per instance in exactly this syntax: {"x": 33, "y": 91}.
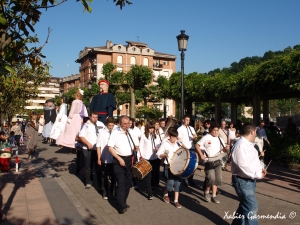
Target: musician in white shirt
{"x": 187, "y": 135}
{"x": 104, "y": 159}
{"x": 246, "y": 169}
{"x": 212, "y": 146}
{"x": 88, "y": 137}
{"x": 121, "y": 145}
{"x": 166, "y": 151}
{"x": 158, "y": 131}
{"x": 148, "y": 149}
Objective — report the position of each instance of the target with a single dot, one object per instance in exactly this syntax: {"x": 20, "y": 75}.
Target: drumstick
{"x": 263, "y": 151}
{"x": 167, "y": 152}
{"x": 268, "y": 165}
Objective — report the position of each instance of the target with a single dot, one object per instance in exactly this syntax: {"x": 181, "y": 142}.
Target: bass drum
{"x": 184, "y": 162}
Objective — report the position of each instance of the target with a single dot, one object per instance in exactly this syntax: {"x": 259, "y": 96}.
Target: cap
{"x": 49, "y": 100}
{"x": 104, "y": 81}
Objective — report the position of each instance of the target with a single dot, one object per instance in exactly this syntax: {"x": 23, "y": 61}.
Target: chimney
{"x": 108, "y": 44}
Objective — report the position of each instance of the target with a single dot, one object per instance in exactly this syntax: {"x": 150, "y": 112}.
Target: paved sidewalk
{"x": 46, "y": 191}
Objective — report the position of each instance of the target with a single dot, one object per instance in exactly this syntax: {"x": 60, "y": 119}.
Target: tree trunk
{"x": 132, "y": 103}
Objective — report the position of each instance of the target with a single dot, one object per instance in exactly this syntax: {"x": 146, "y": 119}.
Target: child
{"x": 166, "y": 150}
{"x": 12, "y": 138}
{"x": 22, "y": 140}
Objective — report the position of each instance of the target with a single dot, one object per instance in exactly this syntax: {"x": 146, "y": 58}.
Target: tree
{"x": 20, "y": 58}
{"x": 20, "y": 86}
{"x": 148, "y": 112}
{"x": 136, "y": 79}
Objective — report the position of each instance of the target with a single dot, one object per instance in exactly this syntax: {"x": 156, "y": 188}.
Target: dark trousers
{"x": 147, "y": 182}
{"x": 124, "y": 178}
{"x": 89, "y": 161}
{"x": 104, "y": 172}
{"x": 155, "y": 171}
{"x": 17, "y": 139}
{"x": 134, "y": 179}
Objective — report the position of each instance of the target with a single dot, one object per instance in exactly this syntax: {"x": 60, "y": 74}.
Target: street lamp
{"x": 89, "y": 85}
{"x": 182, "y": 40}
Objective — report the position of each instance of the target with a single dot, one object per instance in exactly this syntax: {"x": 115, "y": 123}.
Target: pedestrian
{"x": 210, "y": 148}
{"x": 224, "y": 134}
{"x": 166, "y": 151}
{"x": 121, "y": 144}
{"x": 41, "y": 124}
{"x": 32, "y": 135}
{"x": 104, "y": 160}
{"x": 88, "y": 137}
{"x": 261, "y": 136}
{"x": 246, "y": 169}
{"x": 17, "y": 132}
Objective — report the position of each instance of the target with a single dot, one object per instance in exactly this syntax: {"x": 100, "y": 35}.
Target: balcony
{"x": 157, "y": 66}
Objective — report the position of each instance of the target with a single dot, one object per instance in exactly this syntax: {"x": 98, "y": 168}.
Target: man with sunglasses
{"x": 88, "y": 137}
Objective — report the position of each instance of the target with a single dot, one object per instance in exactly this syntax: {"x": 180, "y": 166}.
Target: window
{"x": 156, "y": 63}
{"x": 119, "y": 59}
{"x": 166, "y": 63}
{"x": 119, "y": 69}
{"x": 132, "y": 60}
{"x": 146, "y": 62}
{"x": 166, "y": 73}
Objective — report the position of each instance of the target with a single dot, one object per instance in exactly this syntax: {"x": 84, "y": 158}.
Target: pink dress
{"x": 67, "y": 138}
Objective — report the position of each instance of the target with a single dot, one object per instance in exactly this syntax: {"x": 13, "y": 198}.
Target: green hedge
{"x": 284, "y": 148}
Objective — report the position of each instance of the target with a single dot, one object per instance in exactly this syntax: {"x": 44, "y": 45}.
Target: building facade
{"x": 92, "y": 59}
{"x": 47, "y": 90}
{"x": 72, "y": 81}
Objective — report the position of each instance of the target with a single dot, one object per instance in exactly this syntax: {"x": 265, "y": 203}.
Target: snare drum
{"x": 141, "y": 169}
{"x": 184, "y": 163}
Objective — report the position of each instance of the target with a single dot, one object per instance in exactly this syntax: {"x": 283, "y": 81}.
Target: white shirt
{"x": 147, "y": 146}
{"x": 102, "y": 142}
{"x": 62, "y": 110}
{"x": 245, "y": 161}
{"x": 137, "y": 131}
{"x": 185, "y": 134}
{"x": 122, "y": 143}
{"x": 172, "y": 148}
{"x": 90, "y": 132}
{"x": 160, "y": 134}
{"x": 211, "y": 145}
{"x": 223, "y": 133}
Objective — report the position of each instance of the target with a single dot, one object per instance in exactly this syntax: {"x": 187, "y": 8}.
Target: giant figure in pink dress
{"x": 67, "y": 138}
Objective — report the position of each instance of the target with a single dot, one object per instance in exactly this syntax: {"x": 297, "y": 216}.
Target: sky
{"x": 221, "y": 31}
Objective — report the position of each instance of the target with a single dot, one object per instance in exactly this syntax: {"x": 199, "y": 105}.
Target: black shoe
{"x": 122, "y": 211}
{"x": 127, "y": 206}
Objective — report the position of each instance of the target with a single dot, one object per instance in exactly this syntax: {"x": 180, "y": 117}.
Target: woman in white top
{"x": 231, "y": 134}
{"x": 148, "y": 148}
{"x": 67, "y": 138}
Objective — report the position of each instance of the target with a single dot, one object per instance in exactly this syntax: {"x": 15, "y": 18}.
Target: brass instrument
{"x": 171, "y": 123}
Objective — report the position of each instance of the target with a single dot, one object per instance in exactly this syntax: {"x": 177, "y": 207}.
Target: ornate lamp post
{"x": 182, "y": 40}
